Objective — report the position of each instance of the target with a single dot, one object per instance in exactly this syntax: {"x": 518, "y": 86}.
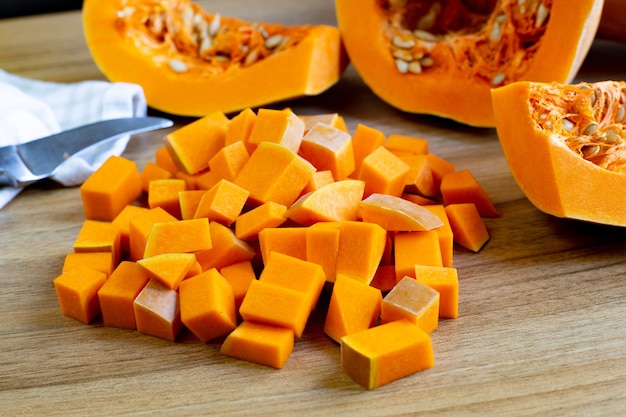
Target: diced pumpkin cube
{"x": 98, "y": 236}
{"x": 140, "y": 227}
{"x": 227, "y": 249}
{"x": 240, "y": 127}
{"x": 318, "y": 180}
{"x": 361, "y": 247}
{"x": 207, "y": 305}
{"x": 413, "y": 301}
{"x": 239, "y": 275}
{"x": 229, "y": 160}
{"x": 114, "y": 185}
{"x": 100, "y": 261}
{"x": 282, "y": 127}
{"x": 468, "y": 228}
{"x": 164, "y": 159}
{"x": 416, "y": 248}
{"x": 383, "y": 354}
{"x": 193, "y": 145}
{"x": 322, "y": 246}
{"x": 157, "y": 311}
{"x": 268, "y": 215}
{"x": 445, "y": 281}
{"x": 151, "y": 171}
{"x": 334, "y": 202}
{"x": 419, "y": 179}
{"x": 118, "y": 293}
{"x": 275, "y": 305}
{"x": 462, "y": 187}
{"x": 446, "y": 237}
{"x": 77, "y": 293}
{"x": 354, "y": 306}
{"x": 296, "y": 274}
{"x": 274, "y": 173}
{"x": 164, "y": 194}
{"x": 222, "y": 203}
{"x": 365, "y": 140}
{"x": 288, "y": 240}
{"x": 385, "y": 278}
{"x": 259, "y": 343}
{"x": 177, "y": 237}
{"x": 329, "y": 148}
{"x": 383, "y": 173}
{"x": 439, "y": 167}
{"x": 189, "y": 200}
{"x": 122, "y": 221}
{"x": 168, "y": 268}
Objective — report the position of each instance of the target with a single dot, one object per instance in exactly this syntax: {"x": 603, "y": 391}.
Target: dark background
{"x": 12, "y": 8}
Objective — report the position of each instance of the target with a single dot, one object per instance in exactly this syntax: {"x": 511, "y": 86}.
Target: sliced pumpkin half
{"x": 566, "y": 146}
{"x": 192, "y": 63}
{"x": 442, "y": 57}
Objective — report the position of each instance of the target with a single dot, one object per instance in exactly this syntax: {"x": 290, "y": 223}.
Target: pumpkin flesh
{"x": 191, "y": 62}
{"x": 443, "y": 57}
{"x": 566, "y": 146}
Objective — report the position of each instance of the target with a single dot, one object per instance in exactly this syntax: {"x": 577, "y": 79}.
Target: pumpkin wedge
{"x": 442, "y": 57}
{"x": 191, "y": 62}
{"x": 566, "y": 146}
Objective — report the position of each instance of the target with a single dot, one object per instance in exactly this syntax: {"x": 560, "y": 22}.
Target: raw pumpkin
{"x": 566, "y": 146}
{"x": 191, "y": 62}
{"x": 442, "y": 57}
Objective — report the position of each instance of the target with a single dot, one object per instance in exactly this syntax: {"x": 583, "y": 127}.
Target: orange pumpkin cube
{"x": 385, "y": 353}
{"x": 329, "y": 148}
{"x": 259, "y": 343}
{"x": 77, "y": 293}
{"x": 207, "y": 305}
{"x": 110, "y": 188}
{"x": 157, "y": 311}
{"x": 118, "y": 293}
{"x": 413, "y": 301}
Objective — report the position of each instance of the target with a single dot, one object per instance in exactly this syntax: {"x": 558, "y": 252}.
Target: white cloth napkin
{"x": 31, "y": 109}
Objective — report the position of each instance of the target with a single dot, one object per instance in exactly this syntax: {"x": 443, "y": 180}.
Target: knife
{"x": 24, "y": 164}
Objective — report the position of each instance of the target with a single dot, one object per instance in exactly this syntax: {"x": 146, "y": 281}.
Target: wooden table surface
{"x": 542, "y": 327}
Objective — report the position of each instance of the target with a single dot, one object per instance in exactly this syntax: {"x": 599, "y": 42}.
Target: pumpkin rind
{"x": 310, "y": 66}
{"x": 444, "y": 89}
{"x": 557, "y": 179}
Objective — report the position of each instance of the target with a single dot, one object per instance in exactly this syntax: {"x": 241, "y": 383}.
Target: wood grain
{"x": 541, "y": 328}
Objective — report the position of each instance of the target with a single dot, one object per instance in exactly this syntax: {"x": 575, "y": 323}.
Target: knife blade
{"x": 23, "y": 164}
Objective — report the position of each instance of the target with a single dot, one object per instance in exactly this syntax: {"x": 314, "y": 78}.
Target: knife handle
{"x": 13, "y": 171}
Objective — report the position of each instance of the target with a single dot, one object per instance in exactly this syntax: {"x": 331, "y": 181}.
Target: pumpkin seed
{"x": 400, "y": 42}
{"x": 251, "y": 57}
{"x": 621, "y": 112}
{"x": 567, "y": 124}
{"x": 402, "y": 66}
{"x": 498, "y": 79}
{"x": 177, "y": 65}
{"x": 402, "y": 54}
{"x": 426, "y": 61}
{"x": 424, "y": 35}
{"x": 415, "y": 67}
{"x": 125, "y": 12}
{"x": 612, "y": 139}
{"x": 589, "y": 151}
{"x": 496, "y": 32}
{"x": 542, "y": 15}
{"x": 590, "y": 128}
{"x": 214, "y": 27}
{"x": 273, "y": 41}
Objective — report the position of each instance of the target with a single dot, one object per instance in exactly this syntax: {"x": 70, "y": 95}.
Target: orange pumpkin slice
{"x": 191, "y": 62}
{"x": 566, "y": 146}
{"x": 397, "y": 214}
{"x": 443, "y": 57}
